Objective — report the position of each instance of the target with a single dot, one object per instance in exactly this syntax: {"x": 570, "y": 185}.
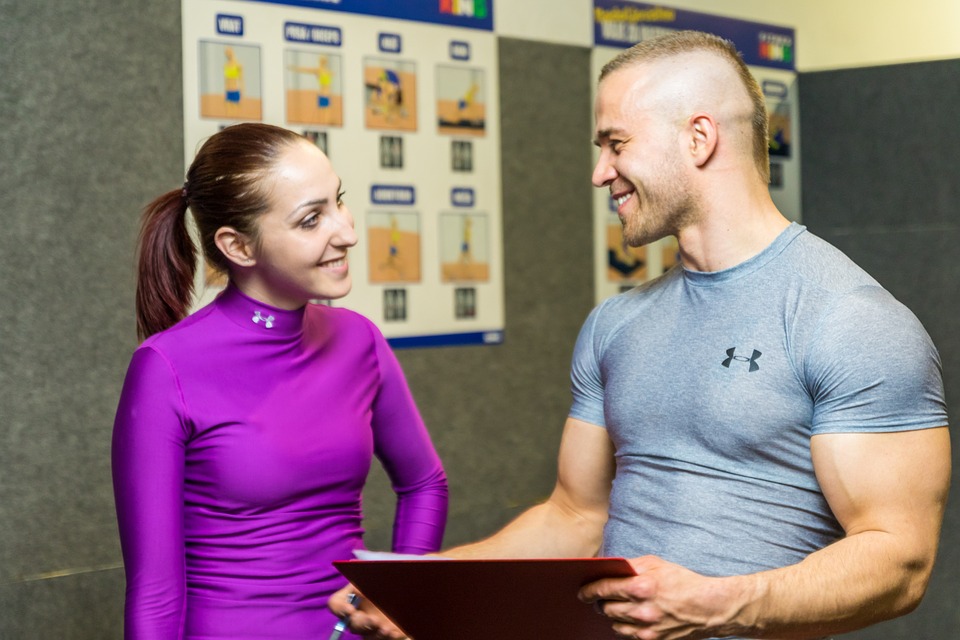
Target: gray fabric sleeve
{"x": 873, "y": 368}
{"x": 586, "y": 383}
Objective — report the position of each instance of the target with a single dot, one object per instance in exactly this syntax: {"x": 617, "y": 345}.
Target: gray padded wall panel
{"x": 881, "y": 181}
{"x": 90, "y": 100}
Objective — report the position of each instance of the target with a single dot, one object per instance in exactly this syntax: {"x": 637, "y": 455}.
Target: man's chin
{"x": 641, "y": 238}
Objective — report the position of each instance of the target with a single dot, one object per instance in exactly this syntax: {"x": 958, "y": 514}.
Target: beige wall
{"x": 831, "y": 34}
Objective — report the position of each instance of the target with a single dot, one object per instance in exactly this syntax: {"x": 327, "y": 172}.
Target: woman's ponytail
{"x": 167, "y": 262}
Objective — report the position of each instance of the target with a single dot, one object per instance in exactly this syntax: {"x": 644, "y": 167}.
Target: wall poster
{"x": 770, "y": 53}
{"x": 403, "y": 97}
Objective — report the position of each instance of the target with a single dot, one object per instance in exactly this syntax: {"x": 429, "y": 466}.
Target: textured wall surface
{"x": 881, "y": 181}
{"x": 90, "y": 101}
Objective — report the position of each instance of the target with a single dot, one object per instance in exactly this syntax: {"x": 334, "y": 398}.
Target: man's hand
{"x": 364, "y": 618}
{"x": 663, "y": 601}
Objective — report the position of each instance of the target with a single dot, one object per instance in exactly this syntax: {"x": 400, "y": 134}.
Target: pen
{"x": 341, "y": 625}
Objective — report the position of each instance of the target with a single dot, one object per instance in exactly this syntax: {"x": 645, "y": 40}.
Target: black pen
{"x": 341, "y": 625}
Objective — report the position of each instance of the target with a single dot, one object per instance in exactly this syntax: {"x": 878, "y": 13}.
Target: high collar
{"x": 258, "y": 316}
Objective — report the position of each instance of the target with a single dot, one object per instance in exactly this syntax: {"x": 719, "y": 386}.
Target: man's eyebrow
{"x": 603, "y": 135}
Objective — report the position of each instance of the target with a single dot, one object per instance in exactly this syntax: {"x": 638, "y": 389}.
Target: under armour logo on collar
{"x": 752, "y": 359}
{"x": 258, "y": 318}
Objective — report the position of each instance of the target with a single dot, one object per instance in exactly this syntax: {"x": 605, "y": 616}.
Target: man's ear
{"x": 236, "y": 246}
{"x": 703, "y": 138}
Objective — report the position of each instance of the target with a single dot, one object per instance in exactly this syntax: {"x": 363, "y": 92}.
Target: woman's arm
{"x": 403, "y": 446}
{"x": 148, "y": 474}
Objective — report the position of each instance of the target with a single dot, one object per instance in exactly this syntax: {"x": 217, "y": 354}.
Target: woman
{"x": 245, "y": 431}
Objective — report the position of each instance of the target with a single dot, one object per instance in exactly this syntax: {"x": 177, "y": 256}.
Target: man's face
{"x": 640, "y": 157}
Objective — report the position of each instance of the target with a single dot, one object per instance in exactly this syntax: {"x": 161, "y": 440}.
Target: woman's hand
{"x": 364, "y": 618}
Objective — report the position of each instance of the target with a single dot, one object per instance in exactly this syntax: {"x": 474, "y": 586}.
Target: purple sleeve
{"x": 149, "y": 439}
{"x": 403, "y": 446}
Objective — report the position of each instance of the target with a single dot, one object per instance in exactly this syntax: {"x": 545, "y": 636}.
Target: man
{"x": 763, "y": 428}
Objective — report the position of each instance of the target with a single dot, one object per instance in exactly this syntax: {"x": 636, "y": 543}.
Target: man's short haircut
{"x": 680, "y": 42}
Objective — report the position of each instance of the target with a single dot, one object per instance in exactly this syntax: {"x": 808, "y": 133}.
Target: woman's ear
{"x": 236, "y": 246}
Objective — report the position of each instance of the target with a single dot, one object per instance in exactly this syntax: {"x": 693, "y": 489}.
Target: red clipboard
{"x": 522, "y": 599}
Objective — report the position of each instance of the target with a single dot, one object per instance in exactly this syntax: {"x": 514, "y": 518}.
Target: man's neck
{"x": 730, "y": 234}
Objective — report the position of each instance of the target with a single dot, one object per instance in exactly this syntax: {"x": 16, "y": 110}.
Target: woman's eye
{"x": 310, "y": 221}
{"x": 340, "y": 198}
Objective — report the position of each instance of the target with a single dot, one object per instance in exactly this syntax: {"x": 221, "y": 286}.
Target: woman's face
{"x": 301, "y": 250}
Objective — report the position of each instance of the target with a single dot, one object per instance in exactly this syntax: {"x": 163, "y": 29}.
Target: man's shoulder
{"x": 626, "y": 305}
{"x": 647, "y": 292}
{"x": 817, "y": 262}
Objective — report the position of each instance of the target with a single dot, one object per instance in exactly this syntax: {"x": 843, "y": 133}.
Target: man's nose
{"x": 604, "y": 172}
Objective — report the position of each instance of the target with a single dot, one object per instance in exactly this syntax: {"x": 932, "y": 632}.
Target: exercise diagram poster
{"x": 770, "y": 53}
{"x": 403, "y": 98}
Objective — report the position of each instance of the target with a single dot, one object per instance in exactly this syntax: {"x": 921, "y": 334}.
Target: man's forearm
{"x": 855, "y": 582}
{"x": 547, "y": 530}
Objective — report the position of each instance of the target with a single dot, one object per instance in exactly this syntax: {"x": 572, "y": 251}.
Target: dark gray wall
{"x": 91, "y": 101}
{"x": 90, "y": 106}
{"x": 881, "y": 181}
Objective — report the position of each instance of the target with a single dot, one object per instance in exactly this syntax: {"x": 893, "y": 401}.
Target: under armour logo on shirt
{"x": 731, "y": 356}
{"x": 258, "y": 318}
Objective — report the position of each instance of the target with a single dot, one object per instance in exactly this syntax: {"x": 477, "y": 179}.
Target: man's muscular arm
{"x": 887, "y": 490}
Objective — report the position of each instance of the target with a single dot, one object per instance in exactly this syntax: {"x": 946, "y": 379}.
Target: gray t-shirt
{"x": 712, "y": 384}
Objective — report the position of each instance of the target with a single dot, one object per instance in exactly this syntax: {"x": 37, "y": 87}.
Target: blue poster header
{"x": 472, "y": 14}
{"x": 622, "y": 24}
{"x": 402, "y": 194}
{"x": 312, "y": 33}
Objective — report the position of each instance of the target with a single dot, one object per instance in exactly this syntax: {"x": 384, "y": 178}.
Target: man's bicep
{"x": 585, "y": 469}
{"x": 893, "y": 482}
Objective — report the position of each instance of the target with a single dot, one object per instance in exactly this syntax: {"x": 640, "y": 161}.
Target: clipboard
{"x": 515, "y": 599}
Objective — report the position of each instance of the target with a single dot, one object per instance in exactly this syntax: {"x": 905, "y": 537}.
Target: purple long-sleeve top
{"x": 242, "y": 442}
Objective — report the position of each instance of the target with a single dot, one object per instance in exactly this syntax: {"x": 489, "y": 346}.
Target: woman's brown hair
{"x": 224, "y": 188}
